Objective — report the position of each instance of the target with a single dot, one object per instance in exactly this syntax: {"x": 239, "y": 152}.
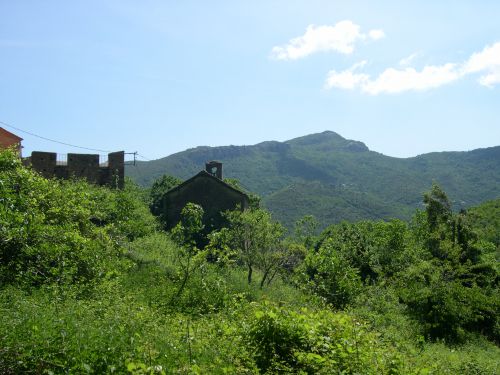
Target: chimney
{"x": 214, "y": 168}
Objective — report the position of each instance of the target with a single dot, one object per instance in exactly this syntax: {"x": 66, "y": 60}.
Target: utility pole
{"x": 132, "y": 153}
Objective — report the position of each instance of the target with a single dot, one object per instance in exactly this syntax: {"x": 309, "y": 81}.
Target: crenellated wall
{"x": 85, "y": 166}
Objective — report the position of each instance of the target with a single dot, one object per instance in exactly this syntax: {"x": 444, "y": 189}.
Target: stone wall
{"x": 82, "y": 166}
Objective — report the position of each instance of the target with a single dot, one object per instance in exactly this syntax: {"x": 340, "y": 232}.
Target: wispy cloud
{"x": 409, "y": 59}
{"x": 340, "y": 38}
{"x": 392, "y": 80}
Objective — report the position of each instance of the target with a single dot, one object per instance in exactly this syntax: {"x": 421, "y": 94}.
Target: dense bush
{"x": 437, "y": 266}
{"x": 330, "y": 275}
{"x": 62, "y": 231}
{"x": 375, "y": 248}
{"x": 317, "y": 342}
{"x": 452, "y": 289}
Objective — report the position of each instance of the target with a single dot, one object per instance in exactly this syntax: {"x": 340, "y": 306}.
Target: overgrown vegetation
{"x": 90, "y": 284}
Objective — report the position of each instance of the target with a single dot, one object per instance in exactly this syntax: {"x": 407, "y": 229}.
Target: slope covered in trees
{"x": 485, "y": 219}
{"x": 338, "y": 179}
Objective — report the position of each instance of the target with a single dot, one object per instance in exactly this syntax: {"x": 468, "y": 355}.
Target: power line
{"x": 52, "y": 140}
{"x": 136, "y": 154}
{"x": 145, "y": 158}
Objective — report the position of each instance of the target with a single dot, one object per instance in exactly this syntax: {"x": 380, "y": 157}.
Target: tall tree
{"x": 437, "y": 206}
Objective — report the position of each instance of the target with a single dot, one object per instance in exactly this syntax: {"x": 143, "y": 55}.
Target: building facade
{"x": 208, "y": 190}
{"x": 8, "y": 139}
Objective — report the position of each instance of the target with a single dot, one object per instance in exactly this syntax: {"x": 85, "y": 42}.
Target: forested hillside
{"x": 90, "y": 284}
{"x": 485, "y": 219}
{"x": 338, "y": 179}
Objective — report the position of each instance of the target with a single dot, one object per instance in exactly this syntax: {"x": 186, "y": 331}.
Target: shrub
{"x": 314, "y": 342}
{"x": 328, "y": 274}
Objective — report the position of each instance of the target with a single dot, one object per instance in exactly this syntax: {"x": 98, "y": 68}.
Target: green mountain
{"x": 336, "y": 179}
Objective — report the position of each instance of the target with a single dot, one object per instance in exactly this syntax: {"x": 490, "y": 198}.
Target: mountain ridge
{"x": 335, "y": 178}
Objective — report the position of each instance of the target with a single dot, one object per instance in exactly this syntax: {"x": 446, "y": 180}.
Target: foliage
{"x": 61, "y": 231}
{"x": 451, "y": 289}
{"x": 188, "y": 234}
{"x": 438, "y": 207}
{"x": 330, "y": 275}
{"x": 436, "y": 266}
{"x": 485, "y": 220}
{"x": 254, "y": 199}
{"x": 317, "y": 342}
{"x": 257, "y": 239}
{"x": 113, "y": 333}
{"x": 438, "y": 298}
{"x": 128, "y": 213}
{"x": 187, "y": 231}
{"x": 158, "y": 189}
{"x": 305, "y": 231}
{"x": 175, "y": 279}
{"x": 376, "y": 249}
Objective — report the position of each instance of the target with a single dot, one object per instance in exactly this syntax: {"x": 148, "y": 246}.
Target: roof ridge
{"x": 206, "y": 174}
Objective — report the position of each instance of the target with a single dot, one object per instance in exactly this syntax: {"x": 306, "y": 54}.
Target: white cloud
{"x": 347, "y": 79}
{"x": 489, "y": 57}
{"x": 340, "y": 38}
{"x": 491, "y": 79}
{"x": 393, "y": 80}
{"x": 376, "y": 34}
{"x": 487, "y": 61}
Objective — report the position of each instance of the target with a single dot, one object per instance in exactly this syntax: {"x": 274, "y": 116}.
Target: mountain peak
{"x": 331, "y": 133}
{"x": 328, "y": 140}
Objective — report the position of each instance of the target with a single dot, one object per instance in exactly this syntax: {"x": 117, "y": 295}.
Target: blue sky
{"x": 158, "y": 77}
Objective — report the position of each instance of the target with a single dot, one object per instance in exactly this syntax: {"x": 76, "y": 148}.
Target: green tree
{"x": 485, "y": 221}
{"x": 187, "y": 235}
{"x": 437, "y": 207}
{"x": 305, "y": 230}
{"x": 187, "y": 231}
{"x": 257, "y": 239}
{"x": 160, "y": 186}
{"x": 450, "y": 289}
{"x": 254, "y": 200}
{"x": 329, "y": 274}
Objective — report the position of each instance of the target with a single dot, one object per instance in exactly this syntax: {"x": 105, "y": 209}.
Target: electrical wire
{"x": 143, "y": 157}
{"x": 52, "y": 140}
